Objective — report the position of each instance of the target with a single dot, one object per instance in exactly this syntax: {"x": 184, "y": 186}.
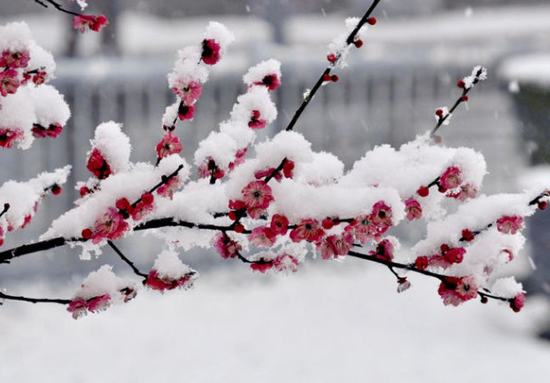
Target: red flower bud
{"x": 423, "y": 191}
{"x": 334, "y": 78}
{"x": 371, "y": 20}
{"x": 358, "y": 43}
{"x": 86, "y": 234}
{"x": 464, "y": 98}
{"x": 460, "y": 84}
{"x": 239, "y": 228}
{"x": 56, "y": 189}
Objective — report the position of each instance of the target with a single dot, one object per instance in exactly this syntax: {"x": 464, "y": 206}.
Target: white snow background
{"x": 332, "y": 322}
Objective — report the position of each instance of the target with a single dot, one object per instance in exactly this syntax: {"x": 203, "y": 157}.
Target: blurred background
{"x": 407, "y": 68}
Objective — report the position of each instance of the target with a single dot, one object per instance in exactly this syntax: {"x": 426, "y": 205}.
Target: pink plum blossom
{"x": 509, "y": 224}
{"x": 279, "y": 224}
{"x": 257, "y": 195}
{"x": 189, "y": 92}
{"x": 156, "y": 281}
{"x": 210, "y": 52}
{"x": 285, "y": 262}
{"x": 14, "y": 59}
{"x": 99, "y": 303}
{"x": 186, "y": 112}
{"x": 89, "y": 23}
{"x": 307, "y": 230}
{"x": 110, "y": 225}
{"x": 170, "y": 144}
{"x": 451, "y": 178}
{"x": 270, "y": 81}
{"x": 262, "y": 236}
{"x": 413, "y": 209}
{"x": 9, "y": 82}
{"x": 456, "y": 290}
{"x": 256, "y": 122}
{"x": 466, "y": 191}
{"x": 167, "y": 190}
{"x": 518, "y": 302}
{"x": 227, "y": 247}
{"x": 52, "y": 131}
{"x": 384, "y": 250}
{"x": 98, "y": 165}
{"x": 9, "y": 136}
{"x": 240, "y": 156}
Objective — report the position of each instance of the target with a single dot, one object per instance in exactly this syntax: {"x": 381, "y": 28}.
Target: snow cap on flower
{"x": 99, "y": 290}
{"x": 50, "y": 106}
{"x": 267, "y": 73}
{"x": 219, "y": 33}
{"x": 169, "y": 272}
{"x": 113, "y": 145}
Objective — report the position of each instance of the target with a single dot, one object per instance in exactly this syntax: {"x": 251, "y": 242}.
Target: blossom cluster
{"x": 186, "y": 80}
{"x": 29, "y": 108}
{"x": 271, "y": 203}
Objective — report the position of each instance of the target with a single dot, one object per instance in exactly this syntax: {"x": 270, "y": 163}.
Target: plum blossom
{"x": 9, "y": 136}
{"x": 279, "y": 224}
{"x": 189, "y": 92}
{"x": 413, "y": 209}
{"x": 9, "y": 82}
{"x": 14, "y": 59}
{"x": 517, "y": 302}
{"x": 384, "y": 250}
{"x": 160, "y": 282}
{"x": 110, "y": 225}
{"x": 209, "y": 168}
{"x": 256, "y": 122}
{"x": 227, "y": 247}
{"x": 466, "y": 191}
{"x": 240, "y": 156}
{"x": 509, "y": 224}
{"x": 451, "y": 178}
{"x": 89, "y": 22}
{"x": 335, "y": 246}
{"x": 257, "y": 195}
{"x": 307, "y": 230}
{"x": 456, "y": 290}
{"x": 52, "y": 131}
{"x": 168, "y": 189}
{"x": 285, "y": 262}
{"x": 210, "y": 51}
{"x": 79, "y": 307}
{"x": 186, "y": 112}
{"x": 270, "y": 81}
{"x": 170, "y": 144}
{"x": 262, "y": 236}
{"x": 98, "y": 165}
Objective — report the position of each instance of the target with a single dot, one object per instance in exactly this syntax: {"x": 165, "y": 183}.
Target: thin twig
{"x": 125, "y": 259}
{"x": 34, "y": 300}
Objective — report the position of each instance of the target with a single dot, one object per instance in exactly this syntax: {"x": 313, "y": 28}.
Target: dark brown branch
{"x": 460, "y": 100}
{"x": 125, "y": 259}
{"x": 57, "y": 6}
{"x": 411, "y": 267}
{"x": 5, "y": 210}
{"x": 34, "y": 300}
{"x": 320, "y": 81}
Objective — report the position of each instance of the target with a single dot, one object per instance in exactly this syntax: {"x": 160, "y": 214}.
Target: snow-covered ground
{"x": 332, "y": 322}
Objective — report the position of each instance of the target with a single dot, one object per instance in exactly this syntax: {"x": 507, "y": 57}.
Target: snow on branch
{"x": 267, "y": 204}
